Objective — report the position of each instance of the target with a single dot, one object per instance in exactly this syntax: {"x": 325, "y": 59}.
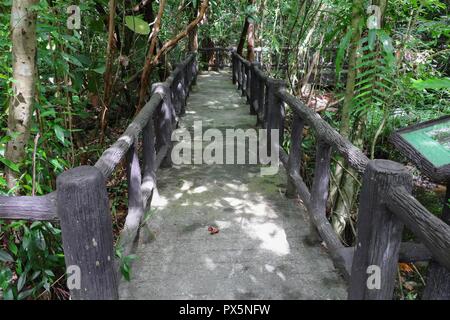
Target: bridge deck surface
{"x": 260, "y": 251}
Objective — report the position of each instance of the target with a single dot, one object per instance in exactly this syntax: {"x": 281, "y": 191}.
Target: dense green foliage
{"x": 403, "y": 78}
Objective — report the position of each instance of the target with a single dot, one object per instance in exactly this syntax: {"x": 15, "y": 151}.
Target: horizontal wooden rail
{"x": 431, "y": 230}
{"x": 42, "y": 208}
{"x": 386, "y": 203}
{"x": 81, "y": 200}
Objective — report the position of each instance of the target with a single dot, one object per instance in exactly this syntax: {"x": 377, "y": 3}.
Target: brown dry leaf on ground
{"x": 213, "y": 230}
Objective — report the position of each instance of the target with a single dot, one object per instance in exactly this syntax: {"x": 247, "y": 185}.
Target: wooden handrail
{"x": 81, "y": 200}
{"x": 386, "y": 202}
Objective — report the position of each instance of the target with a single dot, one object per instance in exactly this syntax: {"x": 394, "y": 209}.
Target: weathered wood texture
{"x": 379, "y": 230}
{"x": 379, "y": 233}
{"x": 354, "y": 156}
{"x": 41, "y": 208}
{"x": 113, "y": 156}
{"x": 86, "y": 224}
{"x": 271, "y": 114}
{"x": 294, "y": 163}
{"x": 438, "y": 279}
{"x": 432, "y": 231}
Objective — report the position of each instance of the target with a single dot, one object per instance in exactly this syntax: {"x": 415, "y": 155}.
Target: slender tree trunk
{"x": 251, "y": 42}
{"x": 109, "y": 70}
{"x": 245, "y": 30}
{"x": 23, "y": 32}
{"x": 153, "y": 59}
{"x": 151, "y": 53}
{"x": 193, "y": 35}
{"x": 357, "y": 15}
{"x": 340, "y": 217}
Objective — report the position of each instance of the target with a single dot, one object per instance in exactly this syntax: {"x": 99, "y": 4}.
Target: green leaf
{"x": 25, "y": 294}
{"x": 10, "y": 164}
{"x": 100, "y": 70}
{"x": 13, "y": 248}
{"x": 21, "y": 282}
{"x": 432, "y": 83}
{"x": 71, "y": 59}
{"x": 59, "y": 133}
{"x": 341, "y": 51}
{"x": 5, "y": 256}
{"x": 137, "y": 25}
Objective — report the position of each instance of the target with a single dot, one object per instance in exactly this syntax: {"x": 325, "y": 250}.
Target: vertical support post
{"x": 238, "y": 72}
{"x": 86, "y": 224}
{"x": 254, "y": 88}
{"x": 320, "y": 186}
{"x": 295, "y": 154}
{"x": 165, "y": 123}
{"x": 135, "y": 201}
{"x": 244, "y": 79}
{"x": 149, "y": 155}
{"x": 379, "y": 233}
{"x": 233, "y": 64}
{"x": 261, "y": 101}
{"x": 248, "y": 86}
{"x": 275, "y": 111}
{"x": 194, "y": 69}
{"x": 438, "y": 279}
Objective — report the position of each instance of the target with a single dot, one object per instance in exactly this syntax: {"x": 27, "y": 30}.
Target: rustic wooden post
{"x": 261, "y": 100}
{"x": 438, "y": 279}
{"x": 165, "y": 123}
{"x": 194, "y": 69}
{"x": 294, "y": 155}
{"x": 320, "y": 186}
{"x": 233, "y": 65}
{"x": 254, "y": 88}
{"x": 244, "y": 79}
{"x": 86, "y": 224}
{"x": 379, "y": 233}
{"x": 248, "y": 86}
{"x": 239, "y": 72}
{"x": 149, "y": 158}
{"x": 275, "y": 111}
{"x": 135, "y": 201}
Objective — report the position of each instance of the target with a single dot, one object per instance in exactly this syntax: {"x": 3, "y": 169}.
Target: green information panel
{"x": 432, "y": 142}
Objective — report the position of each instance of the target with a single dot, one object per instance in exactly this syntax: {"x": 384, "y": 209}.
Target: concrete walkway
{"x": 260, "y": 251}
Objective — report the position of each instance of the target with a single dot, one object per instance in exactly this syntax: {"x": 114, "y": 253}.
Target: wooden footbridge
{"x": 265, "y": 247}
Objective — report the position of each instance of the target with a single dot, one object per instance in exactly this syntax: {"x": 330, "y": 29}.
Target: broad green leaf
{"x": 432, "y": 83}
{"x": 21, "y": 282}
{"x": 10, "y": 164}
{"x": 59, "y": 133}
{"x": 71, "y": 59}
{"x": 137, "y": 25}
{"x": 25, "y": 294}
{"x": 5, "y": 256}
{"x": 341, "y": 51}
{"x": 100, "y": 70}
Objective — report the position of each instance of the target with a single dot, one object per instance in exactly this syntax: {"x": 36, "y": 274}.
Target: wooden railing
{"x": 385, "y": 205}
{"x": 81, "y": 204}
{"x": 221, "y": 56}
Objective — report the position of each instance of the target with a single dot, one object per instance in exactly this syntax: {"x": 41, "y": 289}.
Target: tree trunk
{"x": 251, "y": 42}
{"x": 340, "y": 217}
{"x": 23, "y": 32}
{"x": 240, "y": 48}
{"x": 150, "y": 54}
{"x": 108, "y": 71}
{"x": 193, "y": 35}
